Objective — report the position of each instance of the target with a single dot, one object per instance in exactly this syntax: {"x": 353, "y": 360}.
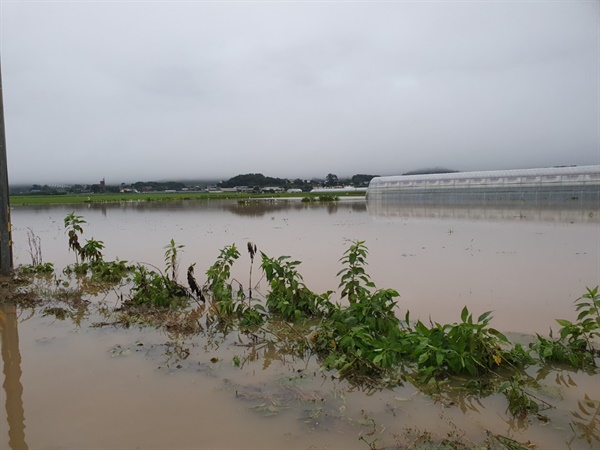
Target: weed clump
{"x": 575, "y": 343}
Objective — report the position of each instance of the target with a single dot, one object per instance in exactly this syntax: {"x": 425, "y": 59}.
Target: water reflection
{"x": 11, "y": 359}
{"x": 566, "y": 213}
{"x": 261, "y": 208}
{"x": 560, "y": 213}
{"x": 252, "y": 208}
{"x": 586, "y": 419}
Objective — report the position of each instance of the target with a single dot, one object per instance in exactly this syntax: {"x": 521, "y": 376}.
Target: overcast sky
{"x": 137, "y": 90}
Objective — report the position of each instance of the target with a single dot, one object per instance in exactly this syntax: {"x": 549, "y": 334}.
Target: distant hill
{"x": 252, "y": 180}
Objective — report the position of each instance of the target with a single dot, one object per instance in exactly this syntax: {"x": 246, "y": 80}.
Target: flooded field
{"x": 80, "y": 383}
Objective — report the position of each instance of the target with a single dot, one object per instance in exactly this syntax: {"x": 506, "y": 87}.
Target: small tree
{"x": 74, "y": 229}
{"x": 331, "y": 180}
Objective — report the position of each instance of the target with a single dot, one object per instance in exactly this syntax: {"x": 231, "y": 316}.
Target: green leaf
{"x": 498, "y": 334}
{"x": 464, "y": 314}
{"x": 439, "y": 358}
{"x": 484, "y": 316}
{"x": 582, "y": 314}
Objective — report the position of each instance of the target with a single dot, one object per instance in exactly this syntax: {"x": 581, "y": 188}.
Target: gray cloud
{"x": 146, "y": 90}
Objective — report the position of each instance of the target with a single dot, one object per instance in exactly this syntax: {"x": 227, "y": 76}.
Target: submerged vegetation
{"x": 358, "y": 337}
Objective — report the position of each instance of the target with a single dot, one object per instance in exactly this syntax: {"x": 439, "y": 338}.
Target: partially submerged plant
{"x": 575, "y": 345}
{"x": 154, "y": 288}
{"x": 74, "y": 230}
{"x": 219, "y": 274}
{"x": 35, "y": 248}
{"x": 151, "y": 288}
{"x": 220, "y": 285}
{"x": 354, "y": 280}
{"x": 89, "y": 257}
{"x": 469, "y": 347}
{"x": 37, "y": 266}
{"x": 252, "y": 249}
{"x": 41, "y": 269}
{"x": 172, "y": 250}
{"x": 288, "y": 296}
{"x": 92, "y": 250}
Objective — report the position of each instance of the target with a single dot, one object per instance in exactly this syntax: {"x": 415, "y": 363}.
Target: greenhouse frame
{"x": 554, "y": 184}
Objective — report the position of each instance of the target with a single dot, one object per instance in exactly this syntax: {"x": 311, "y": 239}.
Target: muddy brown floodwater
{"x": 74, "y": 386}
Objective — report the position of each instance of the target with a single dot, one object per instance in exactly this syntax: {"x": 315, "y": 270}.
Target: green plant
{"x": 355, "y": 281}
{"x": 469, "y": 347}
{"x": 218, "y": 275}
{"x": 40, "y": 269}
{"x": 172, "y": 258}
{"x": 328, "y": 198}
{"x": 288, "y": 296}
{"x": 73, "y": 228}
{"x": 575, "y": 345}
{"x": 92, "y": 250}
{"x": 228, "y": 306}
{"x": 358, "y": 353}
{"x": 366, "y": 335}
{"x": 581, "y": 334}
{"x": 151, "y": 288}
{"x": 109, "y": 271}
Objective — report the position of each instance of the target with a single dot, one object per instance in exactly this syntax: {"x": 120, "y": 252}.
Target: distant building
{"x": 336, "y": 190}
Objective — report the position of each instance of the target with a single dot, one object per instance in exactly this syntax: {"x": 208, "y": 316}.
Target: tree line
{"x": 258, "y": 180}
{"x": 255, "y": 181}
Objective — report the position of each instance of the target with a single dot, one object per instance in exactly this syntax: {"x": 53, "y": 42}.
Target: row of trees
{"x": 258, "y": 180}
{"x": 251, "y": 180}
{"x": 358, "y": 180}
{"x": 60, "y": 189}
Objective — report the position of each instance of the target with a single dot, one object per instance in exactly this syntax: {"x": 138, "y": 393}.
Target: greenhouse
{"x": 573, "y": 184}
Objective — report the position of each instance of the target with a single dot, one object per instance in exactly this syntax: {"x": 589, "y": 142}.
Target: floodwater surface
{"x": 71, "y": 385}
{"x": 528, "y": 266}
